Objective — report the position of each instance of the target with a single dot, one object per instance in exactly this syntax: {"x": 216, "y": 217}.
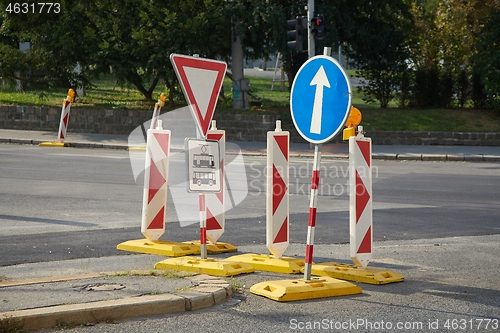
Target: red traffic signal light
{"x": 317, "y": 21}
{"x": 318, "y": 27}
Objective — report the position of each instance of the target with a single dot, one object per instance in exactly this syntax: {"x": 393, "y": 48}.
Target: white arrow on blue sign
{"x": 320, "y": 100}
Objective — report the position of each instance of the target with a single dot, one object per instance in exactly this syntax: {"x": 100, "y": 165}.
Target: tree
{"x": 58, "y": 42}
{"x": 132, "y": 39}
{"x": 128, "y": 38}
{"x": 128, "y": 45}
{"x": 487, "y": 57}
{"x": 137, "y": 36}
{"x": 13, "y": 62}
{"x": 376, "y": 33}
{"x": 449, "y": 35}
{"x": 262, "y": 28}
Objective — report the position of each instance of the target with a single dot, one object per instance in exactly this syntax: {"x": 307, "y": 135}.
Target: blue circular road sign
{"x": 320, "y": 100}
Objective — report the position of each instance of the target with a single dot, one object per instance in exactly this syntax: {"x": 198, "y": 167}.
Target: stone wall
{"x": 81, "y": 120}
{"x": 246, "y": 127}
{"x": 238, "y": 127}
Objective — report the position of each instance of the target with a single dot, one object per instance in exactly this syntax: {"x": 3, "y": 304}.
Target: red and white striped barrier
{"x": 277, "y": 197}
{"x": 157, "y": 110}
{"x": 311, "y": 222}
{"x": 361, "y": 219}
{"x": 154, "y": 202}
{"x": 63, "y": 125}
{"x": 214, "y": 202}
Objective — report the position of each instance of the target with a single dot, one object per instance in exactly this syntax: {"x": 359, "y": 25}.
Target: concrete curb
{"x": 407, "y": 157}
{"x": 325, "y": 155}
{"x": 440, "y": 157}
{"x": 208, "y": 291}
{"x": 70, "y": 144}
{"x": 13, "y": 283}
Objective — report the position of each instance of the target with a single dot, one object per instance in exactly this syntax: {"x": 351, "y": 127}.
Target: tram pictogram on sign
{"x": 203, "y": 171}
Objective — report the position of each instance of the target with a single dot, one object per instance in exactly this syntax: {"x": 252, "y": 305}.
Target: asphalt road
{"x": 437, "y": 223}
{"x": 73, "y": 203}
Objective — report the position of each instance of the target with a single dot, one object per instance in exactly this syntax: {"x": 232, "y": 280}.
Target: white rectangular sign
{"x": 203, "y": 171}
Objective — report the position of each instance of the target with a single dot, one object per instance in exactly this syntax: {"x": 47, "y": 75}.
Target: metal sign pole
{"x": 310, "y": 14}
{"x": 311, "y": 221}
{"x": 203, "y": 227}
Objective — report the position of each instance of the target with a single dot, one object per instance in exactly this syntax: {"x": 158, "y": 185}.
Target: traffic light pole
{"x": 310, "y": 38}
{"x": 240, "y": 100}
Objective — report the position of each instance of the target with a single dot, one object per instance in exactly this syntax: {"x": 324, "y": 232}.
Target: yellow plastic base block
{"x": 369, "y": 275}
{"x": 215, "y": 248}
{"x": 54, "y": 144}
{"x": 159, "y": 247}
{"x": 296, "y": 290}
{"x": 267, "y": 262}
{"x": 142, "y": 148}
{"x": 205, "y": 266}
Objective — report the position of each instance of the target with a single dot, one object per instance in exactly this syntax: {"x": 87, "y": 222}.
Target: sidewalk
{"x": 384, "y": 152}
{"x": 76, "y": 292}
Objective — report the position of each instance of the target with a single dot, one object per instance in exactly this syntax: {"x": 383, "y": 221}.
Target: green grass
{"x": 106, "y": 93}
{"x": 431, "y": 120}
{"x": 168, "y": 273}
{"x": 390, "y": 119}
{"x": 109, "y": 94}
{"x": 39, "y": 98}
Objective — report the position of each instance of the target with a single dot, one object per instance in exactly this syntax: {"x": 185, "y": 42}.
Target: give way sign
{"x": 201, "y": 80}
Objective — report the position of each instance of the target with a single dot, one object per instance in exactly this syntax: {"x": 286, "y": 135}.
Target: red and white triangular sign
{"x": 201, "y": 81}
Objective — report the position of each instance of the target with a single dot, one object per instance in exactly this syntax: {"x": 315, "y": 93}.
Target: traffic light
{"x": 297, "y": 25}
{"x": 318, "y": 27}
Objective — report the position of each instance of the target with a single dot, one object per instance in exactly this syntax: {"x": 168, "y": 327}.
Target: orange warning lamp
{"x": 352, "y": 122}
{"x": 161, "y": 101}
{"x": 71, "y": 95}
